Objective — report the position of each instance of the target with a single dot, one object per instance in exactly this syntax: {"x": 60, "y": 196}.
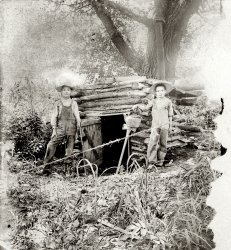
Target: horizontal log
{"x": 125, "y": 79}
{"x": 107, "y": 112}
{"x": 133, "y": 141}
{"x": 82, "y": 114}
{"x": 94, "y": 90}
{"x": 110, "y": 101}
{"x": 92, "y": 87}
{"x": 81, "y": 108}
{"x": 114, "y": 89}
{"x": 136, "y": 138}
{"x": 172, "y": 143}
{"x": 176, "y": 144}
{"x": 76, "y": 93}
{"x": 142, "y": 135}
{"x": 138, "y": 153}
{"x": 110, "y": 107}
{"x": 90, "y": 121}
{"x": 188, "y": 101}
{"x": 175, "y": 137}
{"x": 195, "y": 92}
{"x": 113, "y": 94}
{"x": 189, "y": 128}
{"x": 179, "y": 118}
{"x": 142, "y": 147}
{"x": 139, "y": 149}
{"x": 144, "y": 126}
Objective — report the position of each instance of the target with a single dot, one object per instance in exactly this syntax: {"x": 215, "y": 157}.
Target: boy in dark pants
{"x": 162, "y": 113}
{"x": 65, "y": 122}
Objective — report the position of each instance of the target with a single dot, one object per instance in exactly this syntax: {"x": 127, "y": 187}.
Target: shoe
{"x": 159, "y": 165}
{"x": 46, "y": 171}
{"x": 151, "y": 167}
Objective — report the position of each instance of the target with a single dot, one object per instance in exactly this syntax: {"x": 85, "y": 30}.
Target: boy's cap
{"x": 168, "y": 85}
{"x": 60, "y": 85}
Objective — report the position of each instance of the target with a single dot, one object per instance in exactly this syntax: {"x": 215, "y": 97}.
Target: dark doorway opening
{"x": 112, "y": 130}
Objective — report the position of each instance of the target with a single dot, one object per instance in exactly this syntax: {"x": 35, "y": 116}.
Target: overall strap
{"x": 58, "y": 107}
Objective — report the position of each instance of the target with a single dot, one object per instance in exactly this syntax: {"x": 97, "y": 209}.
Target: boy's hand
{"x": 135, "y": 108}
{"x": 145, "y": 101}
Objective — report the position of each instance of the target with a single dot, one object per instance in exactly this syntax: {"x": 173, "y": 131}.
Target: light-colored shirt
{"x": 161, "y": 111}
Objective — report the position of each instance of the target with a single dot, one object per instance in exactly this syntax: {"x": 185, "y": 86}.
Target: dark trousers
{"x": 54, "y": 142}
{"x": 157, "y": 147}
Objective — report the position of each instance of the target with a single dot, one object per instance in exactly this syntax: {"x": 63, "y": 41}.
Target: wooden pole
{"x": 123, "y": 149}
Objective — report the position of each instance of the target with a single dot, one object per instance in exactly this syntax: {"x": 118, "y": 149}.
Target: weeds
{"x": 131, "y": 213}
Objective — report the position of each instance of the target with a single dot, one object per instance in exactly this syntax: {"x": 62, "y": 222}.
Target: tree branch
{"x": 116, "y": 37}
{"x": 127, "y": 12}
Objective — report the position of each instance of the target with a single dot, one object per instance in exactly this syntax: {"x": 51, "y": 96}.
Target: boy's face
{"x": 66, "y": 92}
{"x": 160, "y": 92}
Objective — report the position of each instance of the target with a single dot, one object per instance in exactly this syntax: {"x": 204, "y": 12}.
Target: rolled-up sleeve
{"x": 76, "y": 112}
{"x": 170, "y": 109}
{"x": 54, "y": 116}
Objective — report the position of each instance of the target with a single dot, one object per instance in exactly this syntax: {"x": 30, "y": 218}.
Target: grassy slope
{"x": 158, "y": 210}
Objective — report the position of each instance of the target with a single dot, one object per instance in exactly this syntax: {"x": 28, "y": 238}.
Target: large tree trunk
{"x": 165, "y": 32}
{"x": 150, "y": 66}
{"x": 176, "y": 20}
{"x": 155, "y": 55}
{"x": 165, "y": 36}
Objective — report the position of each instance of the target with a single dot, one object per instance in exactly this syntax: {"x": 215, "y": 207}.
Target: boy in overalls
{"x": 65, "y": 121}
{"x": 162, "y": 113}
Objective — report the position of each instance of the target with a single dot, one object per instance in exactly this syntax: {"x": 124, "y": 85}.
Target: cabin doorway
{"x": 111, "y": 127}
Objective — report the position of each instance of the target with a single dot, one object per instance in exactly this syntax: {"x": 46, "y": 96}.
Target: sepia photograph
{"x": 113, "y": 117}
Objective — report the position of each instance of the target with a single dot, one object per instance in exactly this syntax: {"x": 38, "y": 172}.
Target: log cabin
{"x": 105, "y": 105}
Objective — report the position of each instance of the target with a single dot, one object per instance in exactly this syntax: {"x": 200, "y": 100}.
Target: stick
{"x": 108, "y": 224}
{"x": 81, "y": 139}
{"x": 123, "y": 149}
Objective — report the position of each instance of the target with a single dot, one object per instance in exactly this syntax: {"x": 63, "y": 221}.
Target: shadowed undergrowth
{"x": 156, "y": 210}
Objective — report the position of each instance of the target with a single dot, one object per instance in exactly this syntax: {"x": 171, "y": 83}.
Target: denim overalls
{"x": 66, "y": 129}
{"x": 157, "y": 147}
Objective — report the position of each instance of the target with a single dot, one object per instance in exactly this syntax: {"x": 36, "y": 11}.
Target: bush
{"x": 30, "y": 135}
{"x": 202, "y": 114}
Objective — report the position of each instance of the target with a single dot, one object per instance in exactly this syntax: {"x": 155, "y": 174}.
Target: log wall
{"x": 118, "y": 97}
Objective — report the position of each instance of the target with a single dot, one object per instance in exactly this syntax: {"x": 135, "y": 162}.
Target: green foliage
{"x": 30, "y": 135}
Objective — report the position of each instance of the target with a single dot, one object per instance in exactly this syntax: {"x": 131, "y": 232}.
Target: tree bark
{"x": 165, "y": 32}
{"x": 150, "y": 67}
{"x": 116, "y": 37}
{"x": 177, "y": 17}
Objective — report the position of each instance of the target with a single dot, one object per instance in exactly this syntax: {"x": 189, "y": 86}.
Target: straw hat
{"x": 168, "y": 85}
{"x": 62, "y": 84}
